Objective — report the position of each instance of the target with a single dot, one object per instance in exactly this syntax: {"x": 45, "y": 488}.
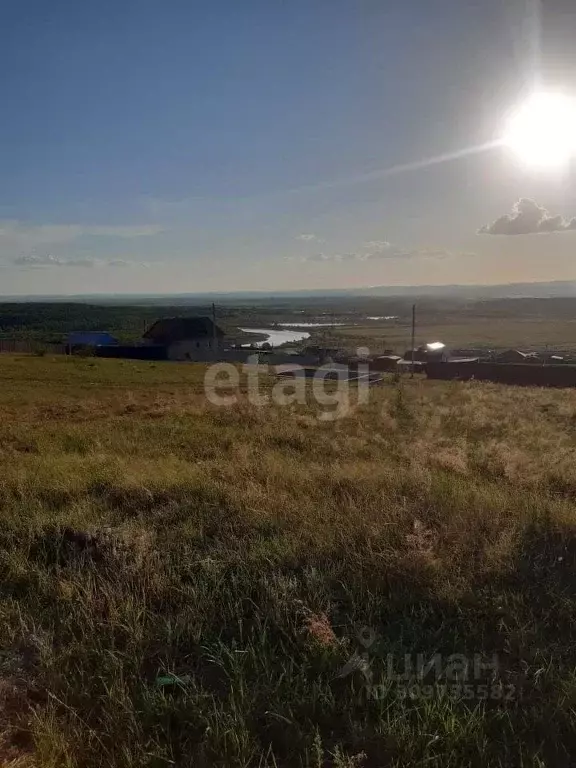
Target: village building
{"x": 435, "y": 351}
{"x": 88, "y": 341}
{"x": 516, "y": 356}
{"x": 186, "y": 338}
{"x": 78, "y": 339}
{"x": 385, "y": 362}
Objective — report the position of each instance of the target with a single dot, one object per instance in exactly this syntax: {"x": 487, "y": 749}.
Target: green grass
{"x": 147, "y": 533}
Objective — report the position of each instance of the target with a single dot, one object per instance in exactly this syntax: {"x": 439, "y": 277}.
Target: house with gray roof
{"x": 185, "y": 338}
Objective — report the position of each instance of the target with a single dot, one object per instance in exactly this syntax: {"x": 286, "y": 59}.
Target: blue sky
{"x": 188, "y": 146}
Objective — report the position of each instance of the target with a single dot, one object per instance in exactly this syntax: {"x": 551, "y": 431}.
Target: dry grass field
{"x": 502, "y": 333}
{"x": 182, "y": 584}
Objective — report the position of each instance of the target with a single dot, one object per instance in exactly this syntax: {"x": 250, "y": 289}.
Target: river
{"x": 276, "y": 338}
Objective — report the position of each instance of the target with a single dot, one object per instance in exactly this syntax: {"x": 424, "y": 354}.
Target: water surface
{"x": 276, "y": 338}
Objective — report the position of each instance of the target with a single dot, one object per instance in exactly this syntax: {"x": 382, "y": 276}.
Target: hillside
{"x": 183, "y": 584}
{"x": 376, "y": 323}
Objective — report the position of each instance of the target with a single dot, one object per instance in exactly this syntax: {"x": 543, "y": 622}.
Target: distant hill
{"x": 557, "y": 288}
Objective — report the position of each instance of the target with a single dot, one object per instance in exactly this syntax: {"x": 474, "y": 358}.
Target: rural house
{"x": 78, "y": 339}
{"x": 516, "y": 356}
{"x": 185, "y": 338}
{"x": 385, "y": 363}
{"x": 436, "y": 352}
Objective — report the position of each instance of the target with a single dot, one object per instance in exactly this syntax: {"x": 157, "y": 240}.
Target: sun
{"x": 542, "y": 131}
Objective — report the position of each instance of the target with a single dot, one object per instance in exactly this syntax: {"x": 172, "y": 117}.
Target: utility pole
{"x": 413, "y": 339}
{"x": 214, "y": 328}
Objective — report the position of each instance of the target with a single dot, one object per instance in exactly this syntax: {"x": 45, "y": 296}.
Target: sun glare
{"x": 542, "y": 132}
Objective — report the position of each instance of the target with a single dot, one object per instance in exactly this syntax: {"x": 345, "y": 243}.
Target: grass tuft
{"x": 186, "y": 585}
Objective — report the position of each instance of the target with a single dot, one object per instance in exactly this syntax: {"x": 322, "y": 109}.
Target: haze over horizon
{"x": 187, "y": 147}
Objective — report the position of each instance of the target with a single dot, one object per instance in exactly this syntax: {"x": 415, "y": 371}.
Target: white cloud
{"x": 360, "y": 255}
{"x": 528, "y": 218}
{"x": 17, "y": 235}
{"x": 376, "y": 246}
{"x": 14, "y": 234}
{"x": 310, "y": 238}
{"x": 144, "y": 230}
{"x": 380, "y": 249}
{"x": 119, "y": 263}
{"x": 321, "y": 257}
{"x": 32, "y": 261}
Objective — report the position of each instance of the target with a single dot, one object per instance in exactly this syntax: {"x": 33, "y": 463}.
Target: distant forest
{"x": 529, "y": 323}
{"x": 51, "y": 322}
